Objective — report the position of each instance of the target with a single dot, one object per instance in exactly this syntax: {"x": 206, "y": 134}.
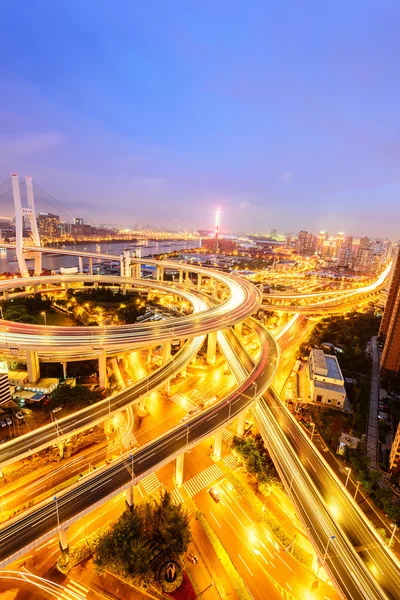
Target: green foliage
{"x": 23, "y": 310}
{"x": 152, "y": 529}
{"x": 256, "y": 459}
{"x": 79, "y": 396}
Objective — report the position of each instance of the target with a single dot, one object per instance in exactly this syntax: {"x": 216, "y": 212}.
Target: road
{"x": 41, "y": 521}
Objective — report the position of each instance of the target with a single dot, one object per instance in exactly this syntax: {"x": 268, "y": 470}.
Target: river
{"x": 8, "y": 258}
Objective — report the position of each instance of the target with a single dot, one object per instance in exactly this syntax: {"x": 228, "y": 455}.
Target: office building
{"x": 306, "y": 243}
{"x": 364, "y": 262}
{"x": 322, "y": 238}
{"x": 325, "y": 379}
{"x": 338, "y": 243}
{"x": 48, "y": 225}
{"x": 389, "y": 331}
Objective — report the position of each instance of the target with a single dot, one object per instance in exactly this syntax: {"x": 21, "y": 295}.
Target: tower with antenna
{"x": 217, "y": 223}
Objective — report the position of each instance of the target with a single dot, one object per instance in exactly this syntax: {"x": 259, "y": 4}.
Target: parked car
{"x": 3, "y": 424}
{"x": 57, "y": 409}
{"x": 47, "y": 401}
{"x": 214, "y": 493}
{"x": 8, "y": 421}
{"x": 19, "y": 415}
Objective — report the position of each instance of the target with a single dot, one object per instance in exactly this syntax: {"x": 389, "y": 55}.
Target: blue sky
{"x": 285, "y": 114}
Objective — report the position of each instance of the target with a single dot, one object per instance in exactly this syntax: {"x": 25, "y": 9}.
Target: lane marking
{"x": 245, "y": 565}
{"x": 215, "y": 519}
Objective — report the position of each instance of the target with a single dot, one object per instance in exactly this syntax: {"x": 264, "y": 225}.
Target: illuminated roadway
{"x": 40, "y": 523}
{"x": 312, "y": 483}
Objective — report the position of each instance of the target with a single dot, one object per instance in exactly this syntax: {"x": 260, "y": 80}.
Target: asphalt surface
{"x": 327, "y": 510}
{"x": 41, "y": 521}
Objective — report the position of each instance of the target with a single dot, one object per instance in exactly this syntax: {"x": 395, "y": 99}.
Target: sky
{"x": 285, "y": 114}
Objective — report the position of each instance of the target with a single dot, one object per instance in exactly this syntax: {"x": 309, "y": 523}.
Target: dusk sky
{"x": 285, "y": 114}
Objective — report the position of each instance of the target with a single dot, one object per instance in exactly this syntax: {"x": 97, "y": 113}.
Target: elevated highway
{"x": 40, "y": 523}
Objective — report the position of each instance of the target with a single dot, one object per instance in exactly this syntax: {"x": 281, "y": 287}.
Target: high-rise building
{"x": 306, "y": 243}
{"x": 322, "y": 238}
{"x": 389, "y": 330}
{"x": 394, "y": 457}
{"x": 48, "y": 225}
{"x": 339, "y": 242}
{"x": 364, "y": 262}
{"x": 78, "y": 221}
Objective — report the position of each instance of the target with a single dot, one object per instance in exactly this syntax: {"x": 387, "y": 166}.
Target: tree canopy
{"x": 153, "y": 531}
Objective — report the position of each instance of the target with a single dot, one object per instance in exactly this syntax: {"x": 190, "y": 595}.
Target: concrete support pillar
{"x": 241, "y": 423}
{"x": 64, "y": 366}
{"x": 123, "y": 289}
{"x": 187, "y": 278}
{"x": 60, "y": 449}
{"x": 180, "y": 275}
{"x": 167, "y": 386}
{"x": 215, "y": 288}
{"x": 142, "y": 404}
{"x": 108, "y": 427}
{"x": 63, "y": 539}
{"x": 166, "y": 351}
{"x": 149, "y": 355}
{"x": 66, "y": 286}
{"x": 130, "y": 496}
{"x": 90, "y": 265}
{"x": 121, "y": 267}
{"x": 103, "y": 370}
{"x": 179, "y": 470}
{"x": 96, "y": 285}
{"x": 6, "y": 296}
{"x": 80, "y": 268}
{"x": 35, "y": 289}
{"x": 239, "y": 330}
{"x": 38, "y": 263}
{"x": 217, "y": 445}
{"x": 127, "y": 263}
{"x": 211, "y": 348}
{"x": 183, "y": 372}
{"x": 199, "y": 282}
{"x": 32, "y": 365}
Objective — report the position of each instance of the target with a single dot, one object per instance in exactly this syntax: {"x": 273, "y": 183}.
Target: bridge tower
{"x": 20, "y": 212}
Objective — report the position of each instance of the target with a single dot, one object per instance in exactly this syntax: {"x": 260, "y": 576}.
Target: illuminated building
{"x": 322, "y": 238}
{"x": 78, "y": 221}
{"x": 5, "y": 394}
{"x": 326, "y": 379}
{"x": 306, "y": 243}
{"x": 217, "y": 222}
{"x": 390, "y": 326}
{"x": 224, "y": 244}
{"x": 48, "y": 225}
{"x": 339, "y": 242}
{"x": 394, "y": 457}
{"x": 345, "y": 254}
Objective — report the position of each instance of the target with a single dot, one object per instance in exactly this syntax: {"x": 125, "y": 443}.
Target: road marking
{"x": 210, "y": 419}
{"x": 150, "y": 483}
{"x": 146, "y": 458}
{"x": 176, "y": 497}
{"x": 231, "y": 462}
{"x": 289, "y": 587}
{"x": 202, "y": 480}
{"x": 312, "y": 466}
{"x": 226, "y": 434}
{"x": 245, "y": 565}
{"x": 215, "y": 519}
{"x": 284, "y": 562}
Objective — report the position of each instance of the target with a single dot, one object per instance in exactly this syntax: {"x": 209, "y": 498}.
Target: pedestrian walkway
{"x": 373, "y": 428}
{"x": 129, "y": 440}
{"x": 226, "y": 434}
{"x": 202, "y": 480}
{"x": 231, "y": 462}
{"x": 74, "y": 590}
{"x": 176, "y": 497}
{"x": 150, "y": 484}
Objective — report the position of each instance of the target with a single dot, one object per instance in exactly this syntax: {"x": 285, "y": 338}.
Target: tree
{"x": 153, "y": 531}
{"x": 80, "y": 396}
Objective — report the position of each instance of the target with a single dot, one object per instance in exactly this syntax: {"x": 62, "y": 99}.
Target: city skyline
{"x": 145, "y": 112}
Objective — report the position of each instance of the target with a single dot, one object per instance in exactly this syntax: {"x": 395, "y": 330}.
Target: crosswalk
{"x": 151, "y": 483}
{"x": 230, "y": 461}
{"x": 200, "y": 481}
{"x": 226, "y": 434}
{"x": 74, "y": 591}
{"x": 129, "y": 440}
{"x": 176, "y": 497}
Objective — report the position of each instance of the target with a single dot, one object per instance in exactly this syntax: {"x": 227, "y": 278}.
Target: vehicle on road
{"x": 19, "y": 415}
{"x": 57, "y": 409}
{"x": 3, "y": 423}
{"x": 214, "y": 493}
{"x": 8, "y": 421}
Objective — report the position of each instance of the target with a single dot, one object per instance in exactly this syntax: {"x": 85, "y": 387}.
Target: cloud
{"x": 286, "y": 176}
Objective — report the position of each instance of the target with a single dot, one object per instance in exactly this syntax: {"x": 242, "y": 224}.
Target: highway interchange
{"x": 371, "y": 573}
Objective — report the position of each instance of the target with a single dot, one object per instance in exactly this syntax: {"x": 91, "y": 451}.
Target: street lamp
{"x": 393, "y": 532}
{"x": 44, "y": 316}
{"x": 332, "y": 537}
{"x": 348, "y": 469}
{"x": 58, "y": 516}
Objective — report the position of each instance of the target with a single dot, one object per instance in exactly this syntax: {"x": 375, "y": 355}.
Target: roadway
{"x": 40, "y": 522}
